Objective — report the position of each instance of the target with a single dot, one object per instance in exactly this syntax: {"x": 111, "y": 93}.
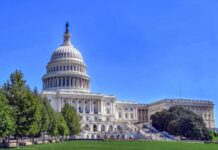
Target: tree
{"x": 50, "y": 119}
{"x": 44, "y": 116}
{"x": 181, "y": 122}
{"x": 53, "y": 131}
{"x": 157, "y": 120}
{"x": 6, "y": 120}
{"x": 35, "y": 114}
{"x": 173, "y": 127}
{"x": 25, "y": 106}
{"x": 62, "y": 125}
{"x": 72, "y": 119}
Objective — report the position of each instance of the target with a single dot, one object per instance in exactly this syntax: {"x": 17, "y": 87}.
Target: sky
{"x": 137, "y": 50}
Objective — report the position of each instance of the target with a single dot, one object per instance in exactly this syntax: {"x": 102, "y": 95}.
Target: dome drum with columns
{"x": 66, "y": 81}
{"x": 66, "y": 70}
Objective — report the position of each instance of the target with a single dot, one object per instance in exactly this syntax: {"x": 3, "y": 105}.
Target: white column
{"x": 51, "y": 82}
{"x": 101, "y": 106}
{"x": 98, "y": 104}
{"x": 77, "y": 106}
{"x": 141, "y": 115}
{"x": 111, "y": 108}
{"x": 65, "y": 81}
{"x": 84, "y": 106}
{"x": 47, "y": 83}
{"x": 61, "y": 81}
{"x": 90, "y": 106}
{"x": 91, "y": 110}
{"x": 135, "y": 116}
{"x": 82, "y": 81}
{"x": 57, "y": 81}
{"x": 78, "y": 85}
{"x": 70, "y": 81}
{"x": 73, "y": 82}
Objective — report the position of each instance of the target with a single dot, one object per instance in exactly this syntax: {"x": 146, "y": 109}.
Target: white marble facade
{"x": 67, "y": 81}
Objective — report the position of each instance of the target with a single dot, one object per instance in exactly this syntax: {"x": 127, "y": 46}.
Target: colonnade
{"x": 127, "y": 114}
{"x": 76, "y": 68}
{"x": 142, "y": 115}
{"x": 90, "y": 106}
{"x": 75, "y": 82}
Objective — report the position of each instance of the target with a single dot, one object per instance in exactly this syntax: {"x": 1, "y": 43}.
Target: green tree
{"x": 25, "y": 106}
{"x": 35, "y": 114}
{"x": 72, "y": 119}
{"x": 50, "y": 119}
{"x": 43, "y": 123}
{"x": 62, "y": 125}
{"x": 182, "y": 122}
{"x": 174, "y": 127}
{"x": 7, "y": 123}
{"x": 53, "y": 131}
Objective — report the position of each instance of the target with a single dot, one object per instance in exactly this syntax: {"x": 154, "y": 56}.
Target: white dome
{"x": 68, "y": 52}
{"x": 66, "y": 71}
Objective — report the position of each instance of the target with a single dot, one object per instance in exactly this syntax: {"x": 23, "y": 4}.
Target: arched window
{"x": 87, "y": 127}
{"x": 102, "y": 128}
{"x": 95, "y": 110}
{"x": 94, "y": 127}
{"x": 126, "y": 115}
{"x": 87, "y": 111}
{"x": 119, "y": 128}
{"x": 108, "y": 110}
{"x": 80, "y": 110}
{"x": 120, "y": 115}
{"x": 131, "y": 115}
{"x": 110, "y": 128}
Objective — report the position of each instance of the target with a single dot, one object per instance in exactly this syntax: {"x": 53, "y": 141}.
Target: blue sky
{"x": 136, "y": 50}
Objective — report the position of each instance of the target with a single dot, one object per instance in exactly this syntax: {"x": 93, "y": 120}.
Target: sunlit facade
{"x": 67, "y": 81}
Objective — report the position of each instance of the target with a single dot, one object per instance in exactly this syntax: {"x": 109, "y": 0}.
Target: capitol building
{"x": 66, "y": 81}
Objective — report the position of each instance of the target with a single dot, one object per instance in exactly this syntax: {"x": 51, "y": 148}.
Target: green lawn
{"x": 109, "y": 145}
{"x": 215, "y": 139}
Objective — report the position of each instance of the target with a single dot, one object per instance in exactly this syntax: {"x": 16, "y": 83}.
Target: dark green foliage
{"x": 50, "y": 119}
{"x": 26, "y": 113}
{"x": 58, "y": 125}
{"x": 44, "y": 115}
{"x": 53, "y": 131}
{"x": 7, "y": 123}
{"x": 72, "y": 119}
{"x": 62, "y": 125}
{"x": 26, "y": 107}
{"x": 181, "y": 122}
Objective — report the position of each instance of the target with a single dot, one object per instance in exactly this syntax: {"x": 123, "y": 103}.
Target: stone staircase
{"x": 153, "y": 134}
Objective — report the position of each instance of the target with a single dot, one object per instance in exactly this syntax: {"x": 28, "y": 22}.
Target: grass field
{"x": 112, "y": 145}
{"x": 215, "y": 139}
